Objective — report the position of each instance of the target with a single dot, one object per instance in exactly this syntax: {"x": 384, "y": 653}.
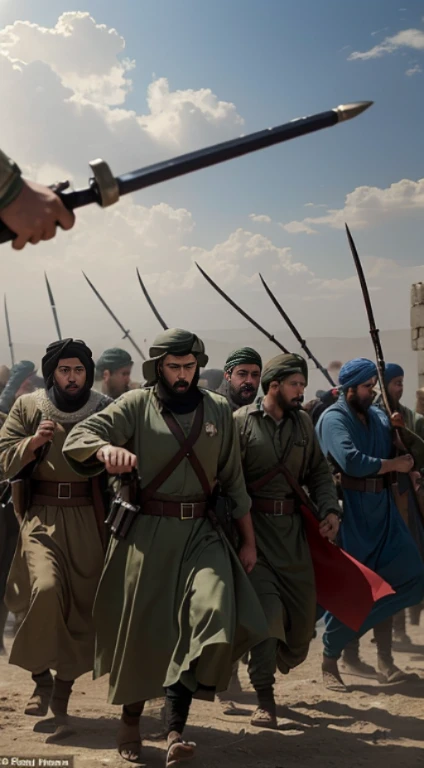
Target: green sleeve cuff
{"x": 11, "y": 182}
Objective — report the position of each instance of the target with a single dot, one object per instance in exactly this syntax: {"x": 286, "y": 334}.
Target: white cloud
{"x": 366, "y": 206}
{"x": 315, "y": 205}
{"x": 407, "y": 38}
{"x": 260, "y": 218}
{"x": 415, "y": 70}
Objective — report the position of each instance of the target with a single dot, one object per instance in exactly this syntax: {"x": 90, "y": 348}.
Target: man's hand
{"x": 117, "y": 461}
{"x": 43, "y": 434}
{"x": 403, "y": 464}
{"x": 35, "y": 214}
{"x": 247, "y": 556}
{"x": 397, "y": 420}
{"x": 329, "y": 527}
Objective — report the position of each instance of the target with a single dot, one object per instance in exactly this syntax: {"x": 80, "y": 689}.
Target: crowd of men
{"x": 160, "y": 532}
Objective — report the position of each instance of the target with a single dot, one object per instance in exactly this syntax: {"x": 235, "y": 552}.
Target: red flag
{"x": 345, "y": 587}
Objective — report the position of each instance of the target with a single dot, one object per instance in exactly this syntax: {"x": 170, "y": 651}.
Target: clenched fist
{"x": 44, "y": 434}
{"x": 117, "y": 461}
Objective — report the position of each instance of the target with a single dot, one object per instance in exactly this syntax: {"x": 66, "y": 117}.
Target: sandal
{"x": 264, "y": 718}
{"x": 129, "y": 742}
{"x": 179, "y": 751}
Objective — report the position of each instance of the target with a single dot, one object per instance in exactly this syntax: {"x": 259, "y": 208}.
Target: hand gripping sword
{"x": 118, "y": 322}
{"x": 150, "y": 303}
{"x": 241, "y": 311}
{"x": 104, "y": 189}
{"x": 296, "y": 333}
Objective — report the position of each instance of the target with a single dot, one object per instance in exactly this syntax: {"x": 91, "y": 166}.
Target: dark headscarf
{"x": 243, "y": 356}
{"x": 62, "y": 350}
{"x": 392, "y": 371}
{"x": 213, "y": 378}
{"x": 281, "y": 366}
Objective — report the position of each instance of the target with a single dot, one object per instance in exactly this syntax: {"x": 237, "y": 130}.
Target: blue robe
{"x": 372, "y": 530}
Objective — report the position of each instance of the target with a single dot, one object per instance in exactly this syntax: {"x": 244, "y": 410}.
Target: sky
{"x": 138, "y": 81}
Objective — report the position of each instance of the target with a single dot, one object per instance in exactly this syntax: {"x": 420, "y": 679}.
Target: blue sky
{"x": 276, "y": 60}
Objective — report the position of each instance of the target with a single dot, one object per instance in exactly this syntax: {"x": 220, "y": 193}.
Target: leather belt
{"x": 51, "y": 494}
{"x": 363, "y": 484}
{"x": 184, "y": 510}
{"x": 274, "y": 507}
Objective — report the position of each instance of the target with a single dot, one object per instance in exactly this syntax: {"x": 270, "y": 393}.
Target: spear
{"x": 150, "y": 303}
{"x": 53, "y": 306}
{"x": 118, "y": 322}
{"x": 296, "y": 333}
{"x": 241, "y": 311}
{"x": 375, "y": 333}
{"x": 9, "y": 335}
{"x": 105, "y": 189}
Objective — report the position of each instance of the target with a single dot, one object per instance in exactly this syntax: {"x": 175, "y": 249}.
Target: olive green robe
{"x": 59, "y": 556}
{"x": 284, "y": 576}
{"x": 174, "y": 603}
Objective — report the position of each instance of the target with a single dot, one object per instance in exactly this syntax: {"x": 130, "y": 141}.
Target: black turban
{"x": 65, "y": 349}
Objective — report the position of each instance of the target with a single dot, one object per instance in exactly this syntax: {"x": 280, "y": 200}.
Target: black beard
{"x": 66, "y": 401}
{"x": 289, "y": 405}
{"x": 183, "y": 401}
{"x": 360, "y": 406}
{"x": 238, "y": 399}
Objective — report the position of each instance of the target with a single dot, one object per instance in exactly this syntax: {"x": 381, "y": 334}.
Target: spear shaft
{"x": 241, "y": 311}
{"x": 53, "y": 306}
{"x": 9, "y": 335}
{"x": 296, "y": 333}
{"x": 118, "y": 322}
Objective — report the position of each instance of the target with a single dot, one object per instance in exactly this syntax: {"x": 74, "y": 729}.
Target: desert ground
{"x": 370, "y": 726}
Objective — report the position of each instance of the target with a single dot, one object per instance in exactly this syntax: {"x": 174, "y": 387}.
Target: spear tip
{"x": 349, "y": 111}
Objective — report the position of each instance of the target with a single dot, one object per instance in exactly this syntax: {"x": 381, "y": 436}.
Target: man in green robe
{"x": 60, "y": 553}
{"x": 242, "y": 377}
{"x": 276, "y": 436}
{"x": 174, "y": 608}
{"x": 113, "y": 372}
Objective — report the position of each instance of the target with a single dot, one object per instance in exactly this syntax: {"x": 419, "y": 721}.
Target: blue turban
{"x": 356, "y": 371}
{"x": 392, "y": 371}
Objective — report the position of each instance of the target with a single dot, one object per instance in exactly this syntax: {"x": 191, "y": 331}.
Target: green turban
{"x": 113, "y": 359}
{"x": 173, "y": 341}
{"x": 243, "y": 356}
{"x": 281, "y": 366}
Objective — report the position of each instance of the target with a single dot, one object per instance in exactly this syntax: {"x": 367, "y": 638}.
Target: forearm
{"x": 245, "y": 528}
{"x": 10, "y": 181}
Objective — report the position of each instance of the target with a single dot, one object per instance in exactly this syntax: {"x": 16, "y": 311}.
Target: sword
{"x": 296, "y": 333}
{"x": 104, "y": 189}
{"x": 241, "y": 311}
{"x": 53, "y": 306}
{"x": 375, "y": 333}
{"x": 118, "y": 322}
{"x": 9, "y": 335}
{"x": 150, "y": 303}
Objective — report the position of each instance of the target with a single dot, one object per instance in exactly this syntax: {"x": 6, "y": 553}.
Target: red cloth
{"x": 344, "y": 586}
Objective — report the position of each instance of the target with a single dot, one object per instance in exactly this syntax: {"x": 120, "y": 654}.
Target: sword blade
{"x": 375, "y": 333}
{"x": 204, "y": 158}
{"x": 240, "y": 310}
{"x": 296, "y": 333}
{"x": 9, "y": 335}
{"x": 53, "y": 306}
{"x": 150, "y": 303}
{"x": 118, "y": 322}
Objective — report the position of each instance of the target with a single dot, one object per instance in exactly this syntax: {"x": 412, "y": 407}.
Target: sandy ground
{"x": 370, "y": 726}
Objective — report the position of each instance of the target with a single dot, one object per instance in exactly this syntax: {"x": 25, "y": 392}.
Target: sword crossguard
{"x": 126, "y": 334}
{"x": 104, "y": 180}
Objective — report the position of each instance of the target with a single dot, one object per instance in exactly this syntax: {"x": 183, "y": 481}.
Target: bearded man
{"x": 59, "y": 557}
{"x": 174, "y": 607}
{"x": 277, "y": 437}
{"x": 242, "y": 374}
{"x": 357, "y": 438}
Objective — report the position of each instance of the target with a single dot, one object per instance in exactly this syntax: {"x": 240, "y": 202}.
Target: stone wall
{"x": 417, "y": 327}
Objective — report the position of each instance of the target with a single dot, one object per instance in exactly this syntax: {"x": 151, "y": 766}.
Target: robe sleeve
{"x": 230, "y": 472}
{"x": 319, "y": 481}
{"x": 336, "y": 441}
{"x": 15, "y": 436}
{"x": 114, "y": 425}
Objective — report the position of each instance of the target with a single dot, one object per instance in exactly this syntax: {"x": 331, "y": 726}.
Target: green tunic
{"x": 59, "y": 557}
{"x": 174, "y": 602}
{"x": 284, "y": 576}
